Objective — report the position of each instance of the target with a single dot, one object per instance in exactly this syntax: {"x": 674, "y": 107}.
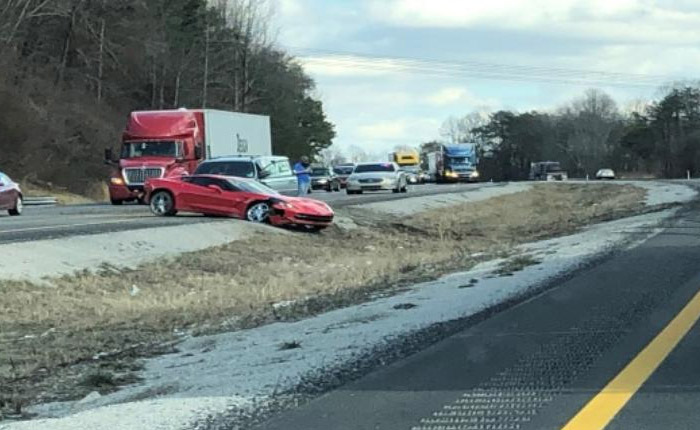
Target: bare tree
{"x": 358, "y": 154}
{"x": 250, "y": 22}
{"x": 457, "y": 130}
{"x": 590, "y": 121}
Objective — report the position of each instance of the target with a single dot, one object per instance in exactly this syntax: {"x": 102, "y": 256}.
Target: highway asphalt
{"x": 616, "y": 346}
{"x": 61, "y": 221}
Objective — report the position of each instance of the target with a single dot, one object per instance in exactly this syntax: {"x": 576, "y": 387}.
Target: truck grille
{"x": 136, "y": 176}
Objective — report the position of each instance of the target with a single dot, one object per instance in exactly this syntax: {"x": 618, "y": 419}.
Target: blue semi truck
{"x": 453, "y": 163}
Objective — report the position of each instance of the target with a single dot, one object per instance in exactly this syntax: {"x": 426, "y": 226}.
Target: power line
{"x": 482, "y": 70}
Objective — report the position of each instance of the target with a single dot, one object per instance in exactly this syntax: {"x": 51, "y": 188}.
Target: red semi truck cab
{"x": 155, "y": 144}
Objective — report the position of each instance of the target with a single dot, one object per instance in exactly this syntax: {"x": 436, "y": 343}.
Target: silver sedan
{"x": 377, "y": 177}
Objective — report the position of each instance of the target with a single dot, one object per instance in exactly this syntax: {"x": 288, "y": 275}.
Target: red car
{"x": 235, "y": 197}
{"x": 10, "y": 196}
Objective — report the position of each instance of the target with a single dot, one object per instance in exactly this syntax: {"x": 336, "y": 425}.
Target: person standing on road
{"x": 303, "y": 171}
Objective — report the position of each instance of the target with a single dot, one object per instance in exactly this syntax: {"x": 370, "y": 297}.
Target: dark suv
{"x": 323, "y": 178}
{"x": 343, "y": 172}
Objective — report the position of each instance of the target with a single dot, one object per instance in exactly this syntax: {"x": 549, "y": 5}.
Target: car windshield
{"x": 239, "y": 168}
{"x": 379, "y": 167}
{"x": 459, "y": 161}
{"x": 251, "y": 187}
{"x": 320, "y": 171}
{"x": 343, "y": 170}
{"x": 160, "y": 148}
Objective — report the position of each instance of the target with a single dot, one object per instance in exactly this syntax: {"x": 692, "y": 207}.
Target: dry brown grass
{"x": 95, "y": 192}
{"x": 236, "y": 285}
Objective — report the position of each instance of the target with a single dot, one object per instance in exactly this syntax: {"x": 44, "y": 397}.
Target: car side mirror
{"x": 198, "y": 152}
{"x": 263, "y": 174}
{"x": 109, "y": 157}
{"x": 215, "y": 188}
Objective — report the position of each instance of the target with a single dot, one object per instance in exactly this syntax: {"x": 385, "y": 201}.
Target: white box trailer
{"x": 234, "y": 134}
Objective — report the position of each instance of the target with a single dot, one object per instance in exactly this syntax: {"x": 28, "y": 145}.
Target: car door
{"x": 287, "y": 178}
{"x": 228, "y": 201}
{"x": 7, "y": 197}
{"x": 235, "y": 200}
{"x": 197, "y": 196}
{"x": 277, "y": 174}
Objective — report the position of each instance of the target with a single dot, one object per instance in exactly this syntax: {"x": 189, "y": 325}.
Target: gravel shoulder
{"x": 237, "y": 373}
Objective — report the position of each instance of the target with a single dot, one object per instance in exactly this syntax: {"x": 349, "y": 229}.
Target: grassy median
{"x": 50, "y": 335}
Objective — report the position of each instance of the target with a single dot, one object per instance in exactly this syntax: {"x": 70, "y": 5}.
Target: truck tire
{"x": 163, "y": 203}
{"x": 116, "y": 202}
{"x": 19, "y": 207}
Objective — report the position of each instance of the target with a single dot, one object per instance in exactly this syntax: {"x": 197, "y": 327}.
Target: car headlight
{"x": 475, "y": 174}
{"x": 322, "y": 181}
{"x": 452, "y": 174}
{"x": 282, "y": 204}
{"x": 117, "y": 181}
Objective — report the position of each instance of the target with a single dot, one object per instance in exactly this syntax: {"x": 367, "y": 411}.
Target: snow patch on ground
{"x": 661, "y": 193}
{"x": 241, "y": 368}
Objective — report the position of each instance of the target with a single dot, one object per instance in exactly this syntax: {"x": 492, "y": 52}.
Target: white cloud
{"x": 629, "y": 20}
{"x": 408, "y": 129}
{"x": 458, "y": 96}
{"x": 447, "y": 96}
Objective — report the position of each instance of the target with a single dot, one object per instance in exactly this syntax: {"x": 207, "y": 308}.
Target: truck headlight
{"x": 117, "y": 181}
{"x": 474, "y": 174}
{"x": 452, "y": 174}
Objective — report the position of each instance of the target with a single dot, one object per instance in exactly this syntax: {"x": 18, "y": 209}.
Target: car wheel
{"x": 329, "y": 188}
{"x": 116, "y": 202}
{"x": 405, "y": 188}
{"x": 19, "y": 207}
{"x": 163, "y": 204}
{"x": 258, "y": 212}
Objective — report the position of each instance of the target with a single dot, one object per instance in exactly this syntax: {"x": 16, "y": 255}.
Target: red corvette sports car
{"x": 235, "y": 197}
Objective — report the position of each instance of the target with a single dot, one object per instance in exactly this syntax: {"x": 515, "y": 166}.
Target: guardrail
{"x": 39, "y": 201}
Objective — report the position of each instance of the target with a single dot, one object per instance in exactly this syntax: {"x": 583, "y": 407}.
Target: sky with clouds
{"x": 473, "y": 54}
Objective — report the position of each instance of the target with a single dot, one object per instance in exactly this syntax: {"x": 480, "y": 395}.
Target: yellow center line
{"x": 602, "y": 408}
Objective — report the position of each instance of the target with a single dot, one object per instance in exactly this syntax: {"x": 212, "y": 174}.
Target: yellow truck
{"x": 409, "y": 162}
